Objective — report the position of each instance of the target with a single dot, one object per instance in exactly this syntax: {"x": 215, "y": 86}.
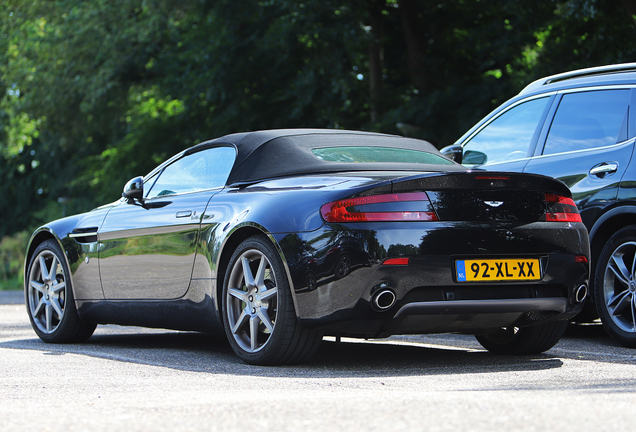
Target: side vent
{"x": 84, "y": 235}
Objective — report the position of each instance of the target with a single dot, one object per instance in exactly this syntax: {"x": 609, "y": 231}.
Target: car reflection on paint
{"x": 329, "y": 259}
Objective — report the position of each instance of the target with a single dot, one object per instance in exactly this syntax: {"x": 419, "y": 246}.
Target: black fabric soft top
{"x": 284, "y": 152}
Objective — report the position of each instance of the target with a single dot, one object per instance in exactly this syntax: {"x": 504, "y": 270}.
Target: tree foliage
{"x": 94, "y": 93}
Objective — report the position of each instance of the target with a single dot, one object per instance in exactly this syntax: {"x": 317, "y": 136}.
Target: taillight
{"x": 384, "y": 207}
{"x": 561, "y": 209}
{"x": 396, "y": 262}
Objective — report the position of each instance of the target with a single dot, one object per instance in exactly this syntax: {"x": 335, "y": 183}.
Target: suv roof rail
{"x": 599, "y": 70}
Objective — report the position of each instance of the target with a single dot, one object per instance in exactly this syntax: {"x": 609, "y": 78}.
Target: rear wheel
{"x": 523, "y": 340}
{"x": 615, "y": 286}
{"x": 49, "y": 297}
{"x": 258, "y": 314}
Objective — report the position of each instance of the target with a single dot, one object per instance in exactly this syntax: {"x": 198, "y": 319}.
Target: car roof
{"x": 283, "y": 152}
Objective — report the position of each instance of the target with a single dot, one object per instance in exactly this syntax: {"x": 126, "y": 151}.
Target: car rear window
{"x": 377, "y": 154}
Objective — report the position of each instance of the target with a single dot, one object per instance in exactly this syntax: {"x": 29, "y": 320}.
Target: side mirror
{"x": 453, "y": 152}
{"x": 472, "y": 157}
{"x": 134, "y": 189}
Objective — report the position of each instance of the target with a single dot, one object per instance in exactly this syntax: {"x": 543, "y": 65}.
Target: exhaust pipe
{"x": 580, "y": 293}
{"x": 383, "y": 300}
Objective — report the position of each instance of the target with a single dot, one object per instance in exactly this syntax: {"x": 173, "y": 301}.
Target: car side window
{"x": 588, "y": 120}
{"x": 508, "y": 137}
{"x": 205, "y": 169}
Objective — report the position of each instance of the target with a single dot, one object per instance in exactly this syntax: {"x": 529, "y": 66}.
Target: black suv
{"x": 579, "y": 127}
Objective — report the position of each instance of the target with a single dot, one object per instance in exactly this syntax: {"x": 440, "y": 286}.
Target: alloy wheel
{"x": 619, "y": 287}
{"x": 252, "y": 297}
{"x": 46, "y": 291}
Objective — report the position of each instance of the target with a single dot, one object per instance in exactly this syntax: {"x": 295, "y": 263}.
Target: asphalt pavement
{"x": 11, "y": 297}
{"x": 140, "y": 380}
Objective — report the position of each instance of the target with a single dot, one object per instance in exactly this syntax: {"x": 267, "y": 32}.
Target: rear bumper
{"x": 428, "y": 297}
{"x": 476, "y": 307}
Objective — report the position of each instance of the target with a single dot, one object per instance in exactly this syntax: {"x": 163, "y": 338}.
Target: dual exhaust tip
{"x": 580, "y": 293}
{"x": 383, "y": 299}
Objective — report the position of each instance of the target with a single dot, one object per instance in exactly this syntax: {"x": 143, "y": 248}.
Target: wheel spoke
{"x": 37, "y": 286}
{"x": 254, "y": 332}
{"x": 633, "y": 307}
{"x": 262, "y": 314}
{"x": 241, "y": 295}
{"x": 43, "y": 271}
{"x": 240, "y": 321}
{"x": 58, "y": 287}
{"x": 618, "y": 303}
{"x": 259, "y": 281}
{"x": 37, "y": 309}
{"x": 265, "y": 295}
{"x": 247, "y": 272}
{"x": 53, "y": 270}
{"x": 620, "y": 270}
{"x": 55, "y": 303}
{"x": 49, "y": 316}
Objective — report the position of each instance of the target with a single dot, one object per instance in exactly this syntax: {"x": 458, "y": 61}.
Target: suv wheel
{"x": 523, "y": 340}
{"x": 615, "y": 286}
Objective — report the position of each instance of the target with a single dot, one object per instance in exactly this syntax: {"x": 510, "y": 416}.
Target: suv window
{"x": 202, "y": 170}
{"x": 588, "y": 120}
{"x": 508, "y": 137}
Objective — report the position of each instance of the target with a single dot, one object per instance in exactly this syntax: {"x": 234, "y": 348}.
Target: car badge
{"x": 494, "y": 203}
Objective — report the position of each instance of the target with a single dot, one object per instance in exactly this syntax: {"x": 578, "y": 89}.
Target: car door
{"x": 586, "y": 145}
{"x": 147, "y": 249}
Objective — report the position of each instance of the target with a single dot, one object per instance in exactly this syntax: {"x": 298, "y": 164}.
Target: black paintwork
{"x": 160, "y": 262}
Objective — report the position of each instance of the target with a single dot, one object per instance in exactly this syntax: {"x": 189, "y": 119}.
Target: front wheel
{"x": 49, "y": 297}
{"x": 258, "y": 314}
{"x": 523, "y": 340}
{"x": 615, "y": 286}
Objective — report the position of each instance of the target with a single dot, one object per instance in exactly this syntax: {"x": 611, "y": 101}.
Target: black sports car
{"x": 280, "y": 237}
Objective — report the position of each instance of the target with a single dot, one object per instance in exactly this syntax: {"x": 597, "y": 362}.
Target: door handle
{"x": 603, "y": 169}
{"x": 183, "y": 214}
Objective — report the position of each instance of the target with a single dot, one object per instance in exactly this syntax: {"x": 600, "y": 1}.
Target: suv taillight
{"x": 380, "y": 208}
{"x": 561, "y": 209}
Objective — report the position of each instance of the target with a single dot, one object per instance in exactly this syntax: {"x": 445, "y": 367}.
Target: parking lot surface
{"x": 134, "y": 379}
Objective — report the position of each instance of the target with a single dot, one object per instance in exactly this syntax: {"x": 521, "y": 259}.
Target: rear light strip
{"x": 352, "y": 209}
{"x": 561, "y": 209}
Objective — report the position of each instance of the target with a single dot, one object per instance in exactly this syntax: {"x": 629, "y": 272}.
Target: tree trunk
{"x": 415, "y": 47}
{"x": 376, "y": 57}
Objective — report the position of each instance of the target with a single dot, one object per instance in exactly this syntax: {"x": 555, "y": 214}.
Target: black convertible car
{"x": 280, "y": 237}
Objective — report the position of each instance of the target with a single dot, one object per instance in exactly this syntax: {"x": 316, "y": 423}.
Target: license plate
{"x": 485, "y": 270}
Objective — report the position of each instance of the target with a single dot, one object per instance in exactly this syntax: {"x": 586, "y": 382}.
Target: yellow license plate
{"x": 485, "y": 270}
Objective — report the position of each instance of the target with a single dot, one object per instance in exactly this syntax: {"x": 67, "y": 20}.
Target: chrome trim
{"x": 604, "y": 168}
{"x": 623, "y": 143}
{"x": 125, "y": 233}
{"x": 85, "y": 234}
{"x": 597, "y": 88}
{"x": 472, "y": 307}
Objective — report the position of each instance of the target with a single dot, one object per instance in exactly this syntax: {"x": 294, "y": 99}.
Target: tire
{"x": 343, "y": 267}
{"x": 523, "y": 340}
{"x": 49, "y": 297}
{"x": 258, "y": 311}
{"x": 615, "y": 286}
